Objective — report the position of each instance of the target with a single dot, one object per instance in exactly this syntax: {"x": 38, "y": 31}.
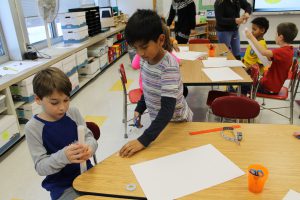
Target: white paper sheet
{"x": 292, "y": 195}
{"x": 190, "y": 55}
{"x": 184, "y": 49}
{"x": 221, "y": 74}
{"x": 264, "y": 60}
{"x": 217, "y": 58}
{"x": 183, "y": 173}
{"x": 212, "y": 63}
{"x": 14, "y": 67}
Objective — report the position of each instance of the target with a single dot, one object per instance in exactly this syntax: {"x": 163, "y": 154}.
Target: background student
{"x": 281, "y": 58}
{"x": 162, "y": 84}
{"x": 260, "y": 26}
{"x": 228, "y": 19}
{"x": 184, "y": 14}
{"x": 52, "y": 135}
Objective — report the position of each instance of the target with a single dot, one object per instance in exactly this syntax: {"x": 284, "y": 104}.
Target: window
{"x": 34, "y": 24}
{"x": 3, "y": 53}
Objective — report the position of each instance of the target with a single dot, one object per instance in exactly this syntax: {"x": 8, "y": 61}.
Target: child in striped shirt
{"x": 162, "y": 84}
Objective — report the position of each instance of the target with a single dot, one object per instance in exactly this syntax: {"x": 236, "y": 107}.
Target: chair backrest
{"x": 94, "y": 128}
{"x": 199, "y": 41}
{"x": 295, "y": 78}
{"x": 235, "y": 107}
{"x": 123, "y": 74}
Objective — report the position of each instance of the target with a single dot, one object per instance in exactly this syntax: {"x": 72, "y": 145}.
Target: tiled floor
{"x": 19, "y": 181}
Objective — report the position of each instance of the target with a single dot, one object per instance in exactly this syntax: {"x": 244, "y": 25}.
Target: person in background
{"x": 260, "y": 26}
{"x": 183, "y": 12}
{"x": 52, "y": 135}
{"x": 228, "y": 19}
{"x": 162, "y": 84}
{"x": 282, "y": 58}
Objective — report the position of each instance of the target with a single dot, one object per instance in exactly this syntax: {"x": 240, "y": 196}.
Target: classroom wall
{"x": 130, "y": 6}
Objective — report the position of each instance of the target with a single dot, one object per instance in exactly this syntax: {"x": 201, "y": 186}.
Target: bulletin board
{"x": 206, "y": 4}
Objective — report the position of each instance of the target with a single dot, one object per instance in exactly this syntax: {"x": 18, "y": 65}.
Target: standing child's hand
{"x": 131, "y": 148}
{"x": 137, "y": 119}
{"x": 239, "y": 20}
{"x": 75, "y": 152}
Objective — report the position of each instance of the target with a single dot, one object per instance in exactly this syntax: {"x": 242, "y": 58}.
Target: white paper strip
{"x": 81, "y": 140}
{"x": 264, "y": 60}
{"x": 221, "y": 74}
{"x": 183, "y": 173}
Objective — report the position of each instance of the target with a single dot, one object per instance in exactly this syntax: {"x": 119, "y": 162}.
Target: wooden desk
{"x": 192, "y": 74}
{"x": 270, "y": 145}
{"x": 90, "y": 197}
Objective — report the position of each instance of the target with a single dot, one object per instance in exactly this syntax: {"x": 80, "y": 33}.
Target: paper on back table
{"x": 183, "y": 173}
{"x": 221, "y": 62}
{"x": 189, "y": 55}
{"x": 221, "y": 74}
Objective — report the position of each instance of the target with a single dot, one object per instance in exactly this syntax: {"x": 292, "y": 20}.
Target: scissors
{"x": 136, "y": 123}
{"x": 256, "y": 172}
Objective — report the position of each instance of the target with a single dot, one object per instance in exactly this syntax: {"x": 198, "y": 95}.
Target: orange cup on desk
{"x": 257, "y": 177}
{"x": 211, "y": 50}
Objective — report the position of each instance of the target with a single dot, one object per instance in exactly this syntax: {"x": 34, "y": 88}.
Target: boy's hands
{"x": 248, "y": 34}
{"x": 78, "y": 153}
{"x": 131, "y": 148}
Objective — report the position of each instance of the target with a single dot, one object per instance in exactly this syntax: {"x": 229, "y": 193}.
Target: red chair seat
{"x": 235, "y": 107}
{"x": 282, "y": 95}
{"x": 135, "y": 95}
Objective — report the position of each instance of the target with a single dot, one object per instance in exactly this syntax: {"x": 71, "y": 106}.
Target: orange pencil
{"x": 212, "y": 130}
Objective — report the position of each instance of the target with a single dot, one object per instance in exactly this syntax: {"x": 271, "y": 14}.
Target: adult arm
{"x": 171, "y": 16}
{"x": 192, "y": 15}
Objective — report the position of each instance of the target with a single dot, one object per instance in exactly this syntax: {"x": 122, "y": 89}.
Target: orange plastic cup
{"x": 211, "y": 50}
{"x": 256, "y": 183}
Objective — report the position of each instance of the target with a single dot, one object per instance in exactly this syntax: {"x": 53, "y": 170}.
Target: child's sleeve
{"x": 136, "y": 62}
{"x": 44, "y": 164}
{"x": 162, "y": 119}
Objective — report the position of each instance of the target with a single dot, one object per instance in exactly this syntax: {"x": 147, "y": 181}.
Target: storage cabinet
{"x": 16, "y": 92}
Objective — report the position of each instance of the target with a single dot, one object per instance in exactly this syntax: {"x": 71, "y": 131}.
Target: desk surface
{"x": 192, "y": 74}
{"x": 90, "y": 197}
{"x": 270, "y": 145}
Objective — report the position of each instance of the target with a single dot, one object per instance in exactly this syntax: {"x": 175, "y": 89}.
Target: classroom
{"x": 149, "y": 99}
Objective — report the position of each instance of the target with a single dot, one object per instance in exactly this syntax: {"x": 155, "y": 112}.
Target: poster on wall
{"x": 208, "y": 2}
